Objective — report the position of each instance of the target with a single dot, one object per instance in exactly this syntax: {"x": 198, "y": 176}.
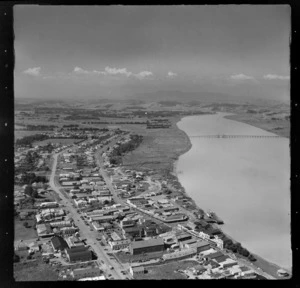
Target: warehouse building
{"x": 81, "y": 253}
{"x": 145, "y": 246}
{"x": 200, "y": 246}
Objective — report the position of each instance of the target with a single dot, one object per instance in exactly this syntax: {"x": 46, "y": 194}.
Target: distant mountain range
{"x": 165, "y": 98}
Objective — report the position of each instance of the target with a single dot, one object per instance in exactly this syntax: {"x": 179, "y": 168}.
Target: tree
{"x": 28, "y": 190}
{"x": 25, "y": 224}
{"x": 16, "y": 258}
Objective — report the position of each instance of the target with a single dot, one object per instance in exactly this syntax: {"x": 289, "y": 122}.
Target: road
{"x": 241, "y": 262}
{"x": 85, "y": 230}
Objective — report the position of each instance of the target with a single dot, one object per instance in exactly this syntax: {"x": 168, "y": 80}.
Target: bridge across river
{"x": 235, "y": 136}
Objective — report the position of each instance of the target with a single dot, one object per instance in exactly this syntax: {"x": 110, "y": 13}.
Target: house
{"x": 80, "y": 203}
{"x": 58, "y": 243}
{"x": 145, "y": 246}
{"x": 61, "y": 224}
{"x": 228, "y": 263}
{"x": 191, "y": 225}
{"x": 74, "y": 241}
{"x": 68, "y": 231}
{"x": 34, "y": 247}
{"x": 80, "y": 253}
{"x": 44, "y": 230}
{"x": 21, "y": 247}
{"x": 138, "y": 270}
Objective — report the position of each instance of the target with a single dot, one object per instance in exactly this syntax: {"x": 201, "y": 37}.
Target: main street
{"x": 85, "y": 230}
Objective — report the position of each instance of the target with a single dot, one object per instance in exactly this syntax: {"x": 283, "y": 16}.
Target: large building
{"x": 145, "y": 246}
{"x": 58, "y": 243}
{"x": 81, "y": 253}
{"x": 119, "y": 244}
{"x": 200, "y": 246}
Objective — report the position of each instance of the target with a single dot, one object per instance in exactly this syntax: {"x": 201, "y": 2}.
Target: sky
{"x": 114, "y": 51}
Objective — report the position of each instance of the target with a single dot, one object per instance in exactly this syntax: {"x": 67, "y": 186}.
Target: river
{"x": 244, "y": 180}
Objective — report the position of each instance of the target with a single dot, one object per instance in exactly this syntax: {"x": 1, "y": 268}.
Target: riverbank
{"x": 159, "y": 153}
{"x": 263, "y": 264}
{"x": 280, "y": 127}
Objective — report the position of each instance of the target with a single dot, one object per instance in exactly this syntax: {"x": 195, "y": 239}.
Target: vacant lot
{"x": 34, "y": 271}
{"x": 23, "y": 233}
{"x": 167, "y": 271}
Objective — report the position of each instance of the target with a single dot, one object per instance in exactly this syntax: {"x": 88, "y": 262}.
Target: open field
{"x": 23, "y": 233}
{"x": 34, "y": 271}
{"x": 159, "y": 149}
{"x": 167, "y": 271}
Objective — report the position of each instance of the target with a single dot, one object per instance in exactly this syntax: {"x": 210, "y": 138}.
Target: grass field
{"x": 159, "y": 149}
{"x": 34, "y": 271}
{"x": 265, "y": 124}
{"x": 22, "y": 233}
{"x": 167, "y": 271}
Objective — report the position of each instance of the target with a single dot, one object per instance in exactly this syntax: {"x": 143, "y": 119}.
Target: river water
{"x": 244, "y": 180}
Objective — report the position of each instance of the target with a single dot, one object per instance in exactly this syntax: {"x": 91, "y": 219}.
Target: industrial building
{"x": 81, "y": 253}
{"x": 145, "y": 246}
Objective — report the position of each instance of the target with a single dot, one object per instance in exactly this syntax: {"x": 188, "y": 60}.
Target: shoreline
{"x": 264, "y": 264}
{"x": 239, "y": 118}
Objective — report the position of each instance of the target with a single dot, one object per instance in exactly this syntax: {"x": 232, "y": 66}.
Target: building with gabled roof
{"x": 58, "y": 243}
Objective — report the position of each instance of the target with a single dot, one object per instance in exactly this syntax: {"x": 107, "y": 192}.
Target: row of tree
{"x": 237, "y": 248}
{"x": 118, "y": 152}
{"x": 28, "y": 140}
{"x": 29, "y": 178}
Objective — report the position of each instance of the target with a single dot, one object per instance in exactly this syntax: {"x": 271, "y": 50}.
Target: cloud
{"x": 79, "y": 70}
{"x": 35, "y": 71}
{"x": 143, "y": 74}
{"x": 241, "y": 77}
{"x": 276, "y": 77}
{"x": 172, "y": 74}
{"x": 116, "y": 71}
{"x": 113, "y": 71}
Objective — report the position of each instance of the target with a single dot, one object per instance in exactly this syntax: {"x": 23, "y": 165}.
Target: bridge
{"x": 235, "y": 136}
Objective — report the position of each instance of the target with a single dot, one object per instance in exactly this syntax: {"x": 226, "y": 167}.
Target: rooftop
{"x": 147, "y": 243}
